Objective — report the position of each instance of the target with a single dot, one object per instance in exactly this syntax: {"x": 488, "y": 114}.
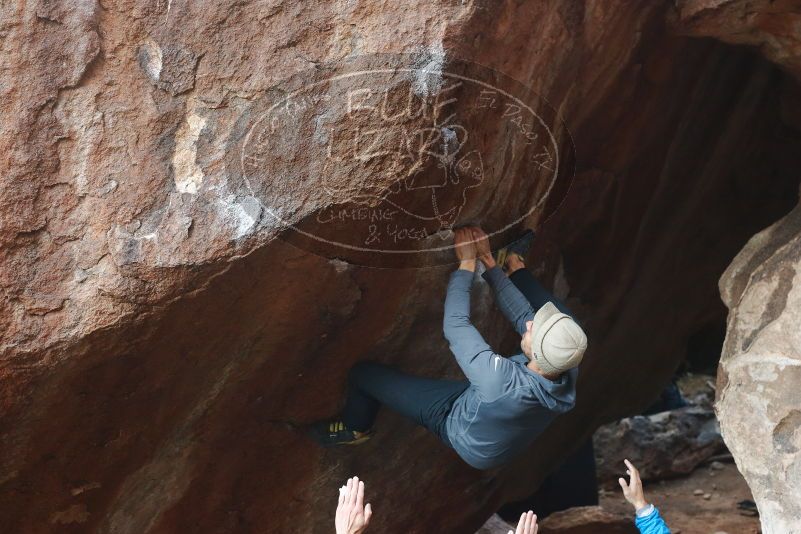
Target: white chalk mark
{"x": 241, "y": 215}
{"x": 187, "y": 173}
{"x": 428, "y": 71}
{"x": 152, "y": 60}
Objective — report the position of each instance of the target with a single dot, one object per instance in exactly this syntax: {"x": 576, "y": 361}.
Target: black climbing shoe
{"x": 331, "y": 433}
{"x": 519, "y": 246}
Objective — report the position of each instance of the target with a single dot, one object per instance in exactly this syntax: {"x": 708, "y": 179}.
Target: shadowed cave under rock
{"x": 156, "y": 385}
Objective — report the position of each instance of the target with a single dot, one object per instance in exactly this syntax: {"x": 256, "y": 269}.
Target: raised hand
{"x": 464, "y": 244}
{"x": 352, "y": 515}
{"x": 483, "y": 250}
{"x": 527, "y": 524}
{"x": 633, "y": 490}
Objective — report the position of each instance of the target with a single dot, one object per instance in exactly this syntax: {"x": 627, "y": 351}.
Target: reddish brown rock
{"x": 771, "y": 26}
{"x": 579, "y": 520}
{"x": 758, "y": 377}
{"x": 160, "y": 343}
{"x": 587, "y": 520}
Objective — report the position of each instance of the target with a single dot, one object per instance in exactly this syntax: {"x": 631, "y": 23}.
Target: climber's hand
{"x": 527, "y": 524}
{"x": 483, "y": 247}
{"x": 352, "y": 515}
{"x": 465, "y": 246}
{"x": 633, "y": 490}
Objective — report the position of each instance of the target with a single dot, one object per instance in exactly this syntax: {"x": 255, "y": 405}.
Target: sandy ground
{"x": 687, "y": 513}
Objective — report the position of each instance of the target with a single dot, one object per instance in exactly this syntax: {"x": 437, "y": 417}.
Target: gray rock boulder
{"x": 760, "y": 372}
{"x": 662, "y": 445}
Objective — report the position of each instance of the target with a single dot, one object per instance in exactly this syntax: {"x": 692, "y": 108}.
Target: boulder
{"x": 578, "y": 520}
{"x": 662, "y": 445}
{"x": 165, "y": 332}
{"x": 760, "y": 371}
{"x": 495, "y": 525}
{"x": 587, "y": 520}
{"x": 770, "y": 25}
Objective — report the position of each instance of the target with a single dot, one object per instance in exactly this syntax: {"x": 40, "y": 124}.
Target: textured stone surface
{"x": 759, "y": 378}
{"x": 160, "y": 344}
{"x": 495, "y": 525}
{"x": 760, "y": 371}
{"x": 770, "y": 25}
{"x": 662, "y": 445}
{"x": 587, "y": 520}
{"x": 579, "y": 520}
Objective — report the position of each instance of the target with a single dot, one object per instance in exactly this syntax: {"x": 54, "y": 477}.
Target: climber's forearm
{"x": 488, "y": 261}
{"x": 467, "y": 265}
{"x": 511, "y": 301}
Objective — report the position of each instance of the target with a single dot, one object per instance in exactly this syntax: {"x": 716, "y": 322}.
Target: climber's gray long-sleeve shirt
{"x": 507, "y": 405}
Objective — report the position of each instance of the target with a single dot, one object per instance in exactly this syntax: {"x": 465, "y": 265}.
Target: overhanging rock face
{"x": 161, "y": 341}
{"x": 760, "y": 372}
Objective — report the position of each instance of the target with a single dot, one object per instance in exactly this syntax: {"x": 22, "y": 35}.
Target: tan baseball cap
{"x": 558, "y": 343}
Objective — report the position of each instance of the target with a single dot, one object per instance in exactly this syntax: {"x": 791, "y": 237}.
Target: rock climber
{"x": 505, "y": 403}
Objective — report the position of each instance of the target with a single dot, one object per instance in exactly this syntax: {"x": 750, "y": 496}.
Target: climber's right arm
{"x": 480, "y": 364}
